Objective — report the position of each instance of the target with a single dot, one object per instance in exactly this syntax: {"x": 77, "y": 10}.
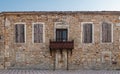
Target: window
{"x": 19, "y": 33}
{"x": 106, "y": 32}
{"x": 61, "y": 34}
{"x": 87, "y": 33}
{"x": 38, "y": 33}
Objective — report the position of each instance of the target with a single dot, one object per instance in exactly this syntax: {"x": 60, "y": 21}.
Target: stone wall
{"x": 31, "y": 55}
{"x": 2, "y": 43}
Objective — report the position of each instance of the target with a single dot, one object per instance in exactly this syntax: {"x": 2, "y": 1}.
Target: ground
{"x": 59, "y": 72}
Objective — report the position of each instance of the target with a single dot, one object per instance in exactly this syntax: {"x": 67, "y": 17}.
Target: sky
{"x": 59, "y": 5}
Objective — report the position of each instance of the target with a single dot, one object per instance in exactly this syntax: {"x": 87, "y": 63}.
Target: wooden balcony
{"x": 61, "y": 44}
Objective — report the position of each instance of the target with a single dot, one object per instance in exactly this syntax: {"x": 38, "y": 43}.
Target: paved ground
{"x": 59, "y": 72}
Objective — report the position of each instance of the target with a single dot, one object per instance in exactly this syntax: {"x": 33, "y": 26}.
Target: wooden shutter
{"x": 87, "y": 31}
{"x": 106, "y": 32}
{"x": 35, "y": 33}
{"x": 16, "y": 33}
{"x": 19, "y": 33}
{"x": 38, "y": 33}
{"x": 22, "y": 33}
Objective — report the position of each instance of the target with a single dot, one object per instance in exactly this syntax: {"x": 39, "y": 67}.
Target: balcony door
{"x": 61, "y": 34}
{"x": 61, "y": 59}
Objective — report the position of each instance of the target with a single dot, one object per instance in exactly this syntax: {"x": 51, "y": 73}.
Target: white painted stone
{"x": 119, "y": 47}
{"x": 118, "y": 24}
{"x": 106, "y": 53}
{"x": 119, "y": 17}
{"x": 6, "y": 47}
{"x": 7, "y": 64}
{"x": 98, "y": 60}
{"x": 6, "y": 53}
{"x": 7, "y": 23}
{"x": 20, "y": 57}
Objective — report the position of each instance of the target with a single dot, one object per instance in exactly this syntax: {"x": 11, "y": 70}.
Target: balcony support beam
{"x": 61, "y": 45}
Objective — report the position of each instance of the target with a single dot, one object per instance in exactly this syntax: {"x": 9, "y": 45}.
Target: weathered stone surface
{"x": 95, "y": 55}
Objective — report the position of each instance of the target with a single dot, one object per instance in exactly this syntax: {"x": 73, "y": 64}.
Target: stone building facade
{"x": 60, "y": 40}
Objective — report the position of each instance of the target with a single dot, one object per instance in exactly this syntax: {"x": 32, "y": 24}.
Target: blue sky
{"x": 59, "y": 5}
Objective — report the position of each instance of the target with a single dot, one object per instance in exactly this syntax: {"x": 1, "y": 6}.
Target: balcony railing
{"x": 61, "y": 44}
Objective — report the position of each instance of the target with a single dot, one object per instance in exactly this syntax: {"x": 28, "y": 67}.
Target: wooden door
{"x": 61, "y": 60}
{"x": 61, "y": 57}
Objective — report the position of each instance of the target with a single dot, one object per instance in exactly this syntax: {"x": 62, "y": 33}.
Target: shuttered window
{"x": 38, "y": 33}
{"x": 87, "y": 33}
{"x": 106, "y": 32}
{"x": 19, "y": 33}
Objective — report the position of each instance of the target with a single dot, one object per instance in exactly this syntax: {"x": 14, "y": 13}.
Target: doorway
{"x": 61, "y": 55}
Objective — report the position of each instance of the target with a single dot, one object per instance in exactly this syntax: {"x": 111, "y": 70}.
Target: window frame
{"x": 18, "y": 23}
{"x": 43, "y": 32}
{"x": 61, "y": 37}
{"x": 59, "y": 26}
{"x": 101, "y": 33}
{"x": 82, "y": 34}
